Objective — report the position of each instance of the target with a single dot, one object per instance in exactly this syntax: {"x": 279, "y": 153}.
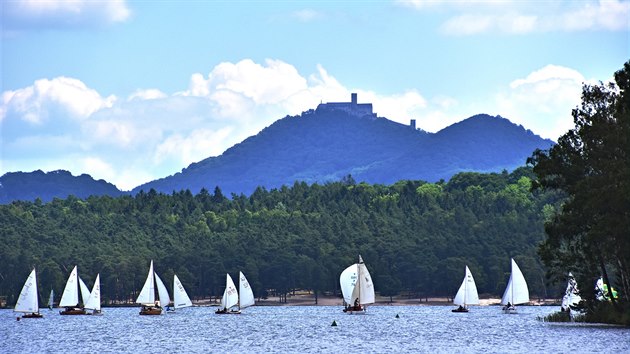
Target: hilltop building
{"x": 355, "y": 108}
{"x": 352, "y": 107}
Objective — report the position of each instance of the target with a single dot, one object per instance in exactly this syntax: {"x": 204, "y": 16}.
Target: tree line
{"x": 590, "y": 233}
{"x": 415, "y": 237}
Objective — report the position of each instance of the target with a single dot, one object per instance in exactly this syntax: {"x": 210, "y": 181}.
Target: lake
{"x": 270, "y": 329}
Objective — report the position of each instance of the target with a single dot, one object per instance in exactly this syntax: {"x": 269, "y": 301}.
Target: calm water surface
{"x": 292, "y": 329}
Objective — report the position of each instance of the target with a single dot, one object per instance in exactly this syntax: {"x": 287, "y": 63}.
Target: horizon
{"x": 133, "y": 91}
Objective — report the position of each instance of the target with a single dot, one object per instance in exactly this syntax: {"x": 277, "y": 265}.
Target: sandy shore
{"x": 309, "y": 300}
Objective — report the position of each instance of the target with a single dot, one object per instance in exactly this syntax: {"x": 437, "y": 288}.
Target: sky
{"x": 132, "y": 91}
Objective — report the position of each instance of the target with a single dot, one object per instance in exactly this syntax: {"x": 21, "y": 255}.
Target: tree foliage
{"x": 590, "y": 165}
{"x": 415, "y": 237}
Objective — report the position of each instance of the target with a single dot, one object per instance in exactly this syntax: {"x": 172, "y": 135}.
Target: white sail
{"x": 356, "y": 284}
{"x": 70, "y": 296}
{"x": 85, "y": 292}
{"x": 162, "y": 292}
{"x": 27, "y": 302}
{"x": 94, "y": 300}
{"x": 245, "y": 291}
{"x": 467, "y": 293}
{"x": 571, "y": 295}
{"x": 147, "y": 294}
{"x": 347, "y": 281}
{"x": 230, "y": 295}
{"x": 516, "y": 291}
{"x": 180, "y": 297}
{"x": 51, "y": 299}
{"x": 366, "y": 295}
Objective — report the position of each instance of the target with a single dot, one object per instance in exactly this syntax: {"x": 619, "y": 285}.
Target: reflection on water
{"x": 308, "y": 329}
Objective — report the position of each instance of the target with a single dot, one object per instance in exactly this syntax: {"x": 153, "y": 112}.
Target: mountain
{"x": 334, "y": 141}
{"x": 326, "y": 144}
{"x": 55, "y": 184}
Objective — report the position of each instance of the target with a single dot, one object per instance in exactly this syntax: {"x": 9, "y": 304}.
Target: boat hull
{"x": 71, "y": 311}
{"x": 509, "y": 310}
{"x": 32, "y": 315}
{"x": 226, "y": 312}
{"x": 151, "y": 311}
{"x": 356, "y": 310}
{"x": 459, "y": 310}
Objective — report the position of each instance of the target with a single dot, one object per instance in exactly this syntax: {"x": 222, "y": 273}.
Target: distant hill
{"x": 55, "y": 184}
{"x": 332, "y": 142}
{"x": 326, "y": 144}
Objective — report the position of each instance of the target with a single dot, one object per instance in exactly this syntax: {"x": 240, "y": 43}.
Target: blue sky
{"x": 131, "y": 91}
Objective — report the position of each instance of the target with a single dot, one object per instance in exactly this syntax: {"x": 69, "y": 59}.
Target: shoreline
{"x": 309, "y": 300}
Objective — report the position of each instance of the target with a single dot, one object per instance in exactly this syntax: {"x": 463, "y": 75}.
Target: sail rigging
{"x": 467, "y": 293}
{"x": 516, "y": 291}
{"x": 27, "y": 301}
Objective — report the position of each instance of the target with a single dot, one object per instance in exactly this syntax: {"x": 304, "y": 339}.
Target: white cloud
{"x": 263, "y": 84}
{"x": 519, "y": 17}
{"x": 55, "y": 14}
{"x": 67, "y": 95}
{"x": 306, "y": 15}
{"x": 543, "y": 100}
{"x": 195, "y": 146}
{"x": 611, "y": 15}
{"x": 149, "y": 94}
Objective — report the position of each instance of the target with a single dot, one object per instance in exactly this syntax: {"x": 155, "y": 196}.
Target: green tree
{"x": 591, "y": 166}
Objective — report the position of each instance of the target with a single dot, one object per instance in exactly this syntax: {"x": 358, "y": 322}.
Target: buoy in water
{"x": 397, "y": 316}
{"x": 334, "y": 324}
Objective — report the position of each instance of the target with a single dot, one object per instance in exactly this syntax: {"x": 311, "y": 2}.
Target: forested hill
{"x": 55, "y": 184}
{"x": 318, "y": 146}
{"x": 415, "y": 237}
{"x": 325, "y": 145}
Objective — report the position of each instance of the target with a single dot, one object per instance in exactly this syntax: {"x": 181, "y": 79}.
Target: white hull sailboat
{"x": 234, "y": 301}
{"x": 27, "y": 301}
{"x": 357, "y": 287}
{"x": 180, "y": 296}
{"x": 150, "y": 304}
{"x": 467, "y": 293}
{"x": 516, "y": 291}
{"x": 94, "y": 301}
{"x": 70, "y": 300}
{"x": 229, "y": 300}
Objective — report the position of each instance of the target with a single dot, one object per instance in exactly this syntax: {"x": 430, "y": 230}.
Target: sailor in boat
{"x": 509, "y": 306}
{"x": 355, "y": 307}
{"x": 154, "y": 309}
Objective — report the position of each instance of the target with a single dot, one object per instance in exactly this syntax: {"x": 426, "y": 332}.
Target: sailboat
{"x": 357, "y": 287}
{"x": 27, "y": 302}
{"x": 51, "y": 299}
{"x": 246, "y": 295}
{"x": 70, "y": 297}
{"x": 229, "y": 300}
{"x": 151, "y": 305}
{"x": 571, "y": 295}
{"x": 94, "y": 301}
{"x": 180, "y": 297}
{"x": 516, "y": 291}
{"x": 467, "y": 293}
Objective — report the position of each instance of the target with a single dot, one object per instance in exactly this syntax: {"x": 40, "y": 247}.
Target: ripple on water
{"x": 285, "y": 329}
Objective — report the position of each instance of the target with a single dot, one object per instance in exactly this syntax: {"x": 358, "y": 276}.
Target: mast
{"x": 466, "y": 287}
{"x": 359, "y": 277}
